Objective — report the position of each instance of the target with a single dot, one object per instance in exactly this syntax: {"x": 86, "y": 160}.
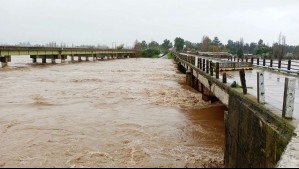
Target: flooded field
{"x": 116, "y": 113}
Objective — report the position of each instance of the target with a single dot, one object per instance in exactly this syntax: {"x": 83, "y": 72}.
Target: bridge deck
{"x": 15, "y": 51}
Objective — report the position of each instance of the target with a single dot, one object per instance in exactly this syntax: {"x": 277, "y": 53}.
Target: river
{"x": 112, "y": 113}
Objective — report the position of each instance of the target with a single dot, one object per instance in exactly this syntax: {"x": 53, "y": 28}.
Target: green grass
{"x": 169, "y": 56}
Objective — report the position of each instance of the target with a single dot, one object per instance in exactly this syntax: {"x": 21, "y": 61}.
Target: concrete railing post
{"x": 200, "y": 63}
{"x": 195, "y": 61}
{"x": 260, "y": 88}
{"x": 204, "y": 65}
{"x": 289, "y": 98}
{"x": 224, "y": 78}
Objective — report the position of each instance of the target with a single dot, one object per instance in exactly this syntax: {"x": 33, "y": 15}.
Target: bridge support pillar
{"x": 79, "y": 58}
{"x": 53, "y": 61}
{"x": 189, "y": 77}
{"x": 86, "y": 58}
{"x": 4, "y": 60}
{"x": 44, "y": 59}
{"x": 34, "y": 59}
{"x": 72, "y": 58}
{"x": 63, "y": 58}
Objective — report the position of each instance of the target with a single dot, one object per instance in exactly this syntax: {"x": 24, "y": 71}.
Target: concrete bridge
{"x": 256, "y": 132}
{"x": 45, "y": 53}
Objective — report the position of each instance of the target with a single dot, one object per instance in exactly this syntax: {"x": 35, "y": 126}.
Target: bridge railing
{"x": 290, "y": 66}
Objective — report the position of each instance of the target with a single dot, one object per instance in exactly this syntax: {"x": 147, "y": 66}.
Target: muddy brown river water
{"x": 116, "y": 113}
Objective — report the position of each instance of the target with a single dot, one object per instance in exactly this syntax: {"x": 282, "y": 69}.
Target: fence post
{"x": 264, "y": 62}
{"x": 217, "y": 70}
{"x": 289, "y": 97}
{"x": 271, "y": 63}
{"x": 258, "y": 61}
{"x": 260, "y": 88}
{"x": 243, "y": 81}
{"x": 279, "y": 64}
{"x": 207, "y": 66}
{"x": 289, "y": 64}
{"x": 211, "y": 68}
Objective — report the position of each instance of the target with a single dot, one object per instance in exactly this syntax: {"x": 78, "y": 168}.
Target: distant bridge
{"x": 45, "y": 53}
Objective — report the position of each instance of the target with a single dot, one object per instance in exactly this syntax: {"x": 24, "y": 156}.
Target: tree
{"x": 166, "y": 44}
{"x": 179, "y": 44}
{"x": 261, "y": 42}
{"x": 240, "y": 53}
{"x": 205, "y": 44}
{"x": 143, "y": 45}
{"x": 216, "y": 41}
{"x": 296, "y": 52}
{"x": 154, "y": 45}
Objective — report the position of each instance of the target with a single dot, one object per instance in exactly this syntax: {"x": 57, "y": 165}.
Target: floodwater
{"x": 114, "y": 113}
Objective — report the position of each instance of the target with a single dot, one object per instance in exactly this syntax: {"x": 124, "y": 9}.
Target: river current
{"x": 111, "y": 113}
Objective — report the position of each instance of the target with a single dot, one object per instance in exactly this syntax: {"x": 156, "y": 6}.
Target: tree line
{"x": 278, "y": 50}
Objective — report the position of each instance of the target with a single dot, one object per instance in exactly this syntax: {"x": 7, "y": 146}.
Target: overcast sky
{"x": 124, "y": 21}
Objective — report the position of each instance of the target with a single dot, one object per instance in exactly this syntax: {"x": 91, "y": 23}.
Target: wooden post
{"x": 260, "y": 88}
{"x": 289, "y": 64}
{"x": 198, "y": 63}
{"x": 224, "y": 80}
{"x": 258, "y": 61}
{"x": 217, "y": 70}
{"x": 246, "y": 60}
{"x": 207, "y": 67}
{"x": 252, "y": 61}
{"x": 289, "y": 97}
{"x": 271, "y": 63}
{"x": 264, "y": 62}
{"x": 279, "y": 64}
{"x": 243, "y": 81}
{"x": 211, "y": 68}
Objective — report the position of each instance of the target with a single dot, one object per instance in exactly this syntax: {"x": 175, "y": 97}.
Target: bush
{"x": 151, "y": 53}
